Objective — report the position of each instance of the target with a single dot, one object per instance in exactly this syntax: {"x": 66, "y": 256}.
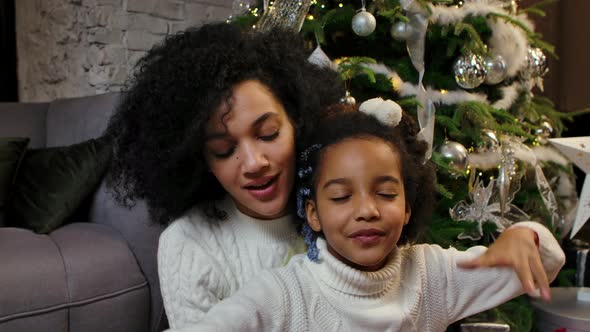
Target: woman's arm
{"x": 258, "y": 306}
{"x": 191, "y": 280}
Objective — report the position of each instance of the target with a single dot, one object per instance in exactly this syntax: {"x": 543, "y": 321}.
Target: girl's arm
{"x": 519, "y": 247}
{"x": 191, "y": 281}
{"x": 468, "y": 291}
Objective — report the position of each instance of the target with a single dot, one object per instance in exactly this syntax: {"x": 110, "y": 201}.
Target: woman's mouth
{"x": 263, "y": 189}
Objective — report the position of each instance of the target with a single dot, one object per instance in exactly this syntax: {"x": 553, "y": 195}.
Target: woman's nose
{"x": 254, "y": 159}
{"x": 366, "y": 208}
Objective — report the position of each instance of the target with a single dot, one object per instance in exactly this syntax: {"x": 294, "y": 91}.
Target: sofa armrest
{"x": 142, "y": 237}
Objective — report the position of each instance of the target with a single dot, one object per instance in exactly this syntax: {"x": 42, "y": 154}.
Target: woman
{"x": 207, "y": 135}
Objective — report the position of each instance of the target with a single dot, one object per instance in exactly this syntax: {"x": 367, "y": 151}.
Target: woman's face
{"x": 250, "y": 148}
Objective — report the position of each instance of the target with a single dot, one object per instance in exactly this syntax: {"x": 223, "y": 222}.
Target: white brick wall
{"x": 72, "y": 48}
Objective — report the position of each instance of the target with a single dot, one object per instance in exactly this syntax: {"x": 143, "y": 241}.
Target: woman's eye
{"x": 270, "y": 137}
{"x": 224, "y": 155}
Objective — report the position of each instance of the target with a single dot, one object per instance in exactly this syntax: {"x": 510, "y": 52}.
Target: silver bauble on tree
{"x": 536, "y": 64}
{"x": 544, "y": 132}
{"x": 401, "y": 31}
{"x": 470, "y": 71}
{"x": 456, "y": 153}
{"x": 490, "y": 139}
{"x": 496, "y": 69}
{"x": 363, "y": 23}
{"x": 348, "y": 99}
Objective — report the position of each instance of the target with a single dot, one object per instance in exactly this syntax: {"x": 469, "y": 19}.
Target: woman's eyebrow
{"x": 256, "y": 123}
{"x": 263, "y": 118}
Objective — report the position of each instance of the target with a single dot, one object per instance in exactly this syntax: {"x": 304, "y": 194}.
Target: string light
{"x": 310, "y": 17}
{"x": 340, "y": 5}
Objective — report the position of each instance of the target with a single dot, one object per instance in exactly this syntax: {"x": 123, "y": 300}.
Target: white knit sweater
{"x": 202, "y": 262}
{"x": 420, "y": 289}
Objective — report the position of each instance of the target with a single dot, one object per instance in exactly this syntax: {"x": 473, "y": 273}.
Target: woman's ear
{"x": 312, "y": 215}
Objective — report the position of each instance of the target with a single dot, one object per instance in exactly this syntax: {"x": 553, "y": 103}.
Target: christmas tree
{"x": 468, "y": 71}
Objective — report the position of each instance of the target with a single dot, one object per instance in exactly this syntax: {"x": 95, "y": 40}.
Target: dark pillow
{"x": 12, "y": 150}
{"x": 52, "y": 182}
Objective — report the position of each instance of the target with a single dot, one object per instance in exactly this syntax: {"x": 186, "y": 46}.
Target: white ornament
{"x": 386, "y": 111}
{"x": 363, "y": 23}
{"x": 577, "y": 149}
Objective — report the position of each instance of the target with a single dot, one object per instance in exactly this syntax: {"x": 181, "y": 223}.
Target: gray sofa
{"x": 98, "y": 274}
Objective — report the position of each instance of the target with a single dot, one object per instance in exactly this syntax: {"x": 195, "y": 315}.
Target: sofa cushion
{"x": 12, "y": 151}
{"x": 88, "y": 270}
{"x": 51, "y": 183}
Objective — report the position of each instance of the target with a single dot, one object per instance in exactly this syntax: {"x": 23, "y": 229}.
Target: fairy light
{"x": 340, "y": 5}
{"x": 480, "y": 174}
{"x": 310, "y": 17}
{"x": 323, "y": 6}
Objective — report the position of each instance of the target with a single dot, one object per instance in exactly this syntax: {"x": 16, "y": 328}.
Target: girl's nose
{"x": 366, "y": 208}
{"x": 254, "y": 160}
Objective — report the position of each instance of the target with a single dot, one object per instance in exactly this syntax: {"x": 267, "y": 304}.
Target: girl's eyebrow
{"x": 388, "y": 178}
{"x": 335, "y": 181}
{"x": 344, "y": 181}
{"x": 256, "y": 123}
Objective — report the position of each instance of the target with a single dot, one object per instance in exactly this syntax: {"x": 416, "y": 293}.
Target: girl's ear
{"x": 312, "y": 215}
{"x": 408, "y": 214}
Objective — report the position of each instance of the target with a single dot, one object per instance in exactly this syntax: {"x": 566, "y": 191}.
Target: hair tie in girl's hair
{"x": 310, "y": 237}
{"x": 386, "y": 111}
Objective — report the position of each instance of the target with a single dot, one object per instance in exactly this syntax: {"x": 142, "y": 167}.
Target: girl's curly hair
{"x": 344, "y": 122}
{"x": 157, "y": 130}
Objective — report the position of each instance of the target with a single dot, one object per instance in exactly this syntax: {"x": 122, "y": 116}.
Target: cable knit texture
{"x": 420, "y": 289}
{"x": 201, "y": 262}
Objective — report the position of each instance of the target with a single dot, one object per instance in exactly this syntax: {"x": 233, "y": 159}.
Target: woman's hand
{"x": 516, "y": 247}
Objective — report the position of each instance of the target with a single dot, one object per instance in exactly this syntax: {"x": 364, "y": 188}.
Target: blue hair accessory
{"x": 310, "y": 237}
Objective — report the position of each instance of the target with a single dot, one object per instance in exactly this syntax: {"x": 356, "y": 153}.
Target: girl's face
{"x": 360, "y": 204}
{"x": 250, "y": 148}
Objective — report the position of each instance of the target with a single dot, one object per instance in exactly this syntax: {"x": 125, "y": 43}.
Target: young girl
{"x": 365, "y": 193}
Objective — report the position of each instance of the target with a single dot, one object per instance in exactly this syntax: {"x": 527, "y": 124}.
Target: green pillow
{"x": 12, "y": 150}
{"x": 52, "y": 182}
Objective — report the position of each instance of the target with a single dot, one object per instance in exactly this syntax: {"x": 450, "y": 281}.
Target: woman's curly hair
{"x": 157, "y": 130}
{"x": 419, "y": 177}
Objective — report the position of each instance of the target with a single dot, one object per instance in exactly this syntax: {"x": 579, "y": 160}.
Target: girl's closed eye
{"x": 387, "y": 194}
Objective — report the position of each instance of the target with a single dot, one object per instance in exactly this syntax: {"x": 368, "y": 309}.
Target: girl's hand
{"x": 516, "y": 247}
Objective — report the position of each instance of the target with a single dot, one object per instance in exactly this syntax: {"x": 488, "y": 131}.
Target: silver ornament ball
{"x": 490, "y": 139}
{"x": 401, "y": 31}
{"x": 470, "y": 71}
{"x": 496, "y": 68}
{"x": 363, "y": 23}
{"x": 348, "y": 99}
{"x": 456, "y": 153}
{"x": 536, "y": 64}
